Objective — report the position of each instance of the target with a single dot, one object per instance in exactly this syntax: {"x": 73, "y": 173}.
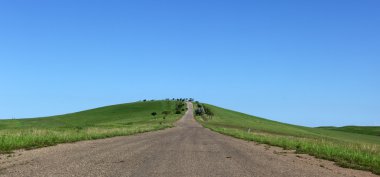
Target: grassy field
{"x": 352, "y": 150}
{"x": 116, "y": 120}
{"x": 368, "y": 130}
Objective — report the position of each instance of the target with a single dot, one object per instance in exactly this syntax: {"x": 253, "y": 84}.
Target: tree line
{"x": 180, "y": 106}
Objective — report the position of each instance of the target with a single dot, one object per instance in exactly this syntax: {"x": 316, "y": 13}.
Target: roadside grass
{"x": 350, "y": 150}
{"x": 104, "y": 122}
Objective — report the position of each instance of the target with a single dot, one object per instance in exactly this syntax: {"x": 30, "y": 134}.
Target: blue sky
{"x": 310, "y": 63}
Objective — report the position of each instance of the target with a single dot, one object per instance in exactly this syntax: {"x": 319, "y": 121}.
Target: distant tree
{"x": 144, "y": 100}
{"x": 166, "y": 113}
{"x": 178, "y": 112}
{"x": 198, "y": 112}
{"x": 154, "y": 114}
{"x": 210, "y": 114}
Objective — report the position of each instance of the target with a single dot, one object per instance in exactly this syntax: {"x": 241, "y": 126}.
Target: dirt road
{"x": 186, "y": 150}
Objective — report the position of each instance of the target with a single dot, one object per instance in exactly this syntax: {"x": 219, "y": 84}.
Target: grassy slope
{"x": 368, "y": 130}
{"x": 116, "y": 120}
{"x": 347, "y": 149}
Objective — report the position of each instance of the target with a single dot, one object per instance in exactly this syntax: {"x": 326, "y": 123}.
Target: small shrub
{"x": 153, "y": 114}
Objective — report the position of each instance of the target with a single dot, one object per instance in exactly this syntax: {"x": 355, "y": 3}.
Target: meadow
{"x": 353, "y": 150}
{"x": 104, "y": 122}
{"x": 368, "y": 130}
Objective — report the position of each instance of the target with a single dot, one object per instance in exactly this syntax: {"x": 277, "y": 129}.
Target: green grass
{"x": 368, "y": 130}
{"x": 352, "y": 150}
{"x": 116, "y": 120}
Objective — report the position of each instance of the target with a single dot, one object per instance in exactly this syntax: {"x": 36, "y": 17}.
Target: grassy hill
{"x": 368, "y": 130}
{"x": 355, "y": 147}
{"x": 116, "y": 120}
{"x": 347, "y": 149}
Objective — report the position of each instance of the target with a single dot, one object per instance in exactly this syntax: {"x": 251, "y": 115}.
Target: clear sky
{"x": 303, "y": 62}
